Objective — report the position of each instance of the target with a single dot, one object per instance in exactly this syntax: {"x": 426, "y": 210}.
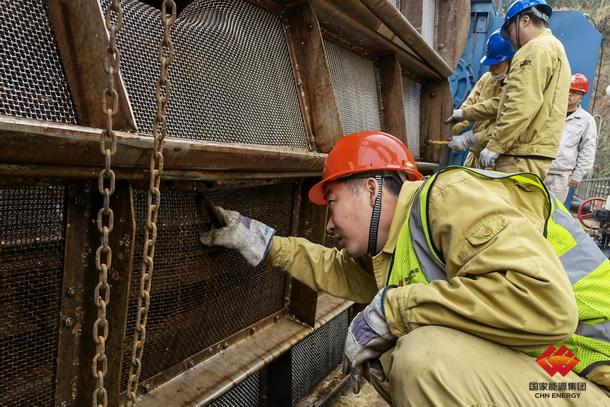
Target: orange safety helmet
{"x": 580, "y": 83}
{"x": 364, "y": 152}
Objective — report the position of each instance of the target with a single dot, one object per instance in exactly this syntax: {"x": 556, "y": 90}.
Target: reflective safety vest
{"x": 416, "y": 260}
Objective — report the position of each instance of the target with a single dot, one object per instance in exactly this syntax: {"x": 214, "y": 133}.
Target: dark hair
{"x": 392, "y": 181}
{"x": 534, "y": 14}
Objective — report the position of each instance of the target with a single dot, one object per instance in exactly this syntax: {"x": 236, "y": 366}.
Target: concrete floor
{"x": 367, "y": 397}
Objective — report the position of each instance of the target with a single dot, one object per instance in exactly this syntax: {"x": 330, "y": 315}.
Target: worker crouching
{"x": 463, "y": 273}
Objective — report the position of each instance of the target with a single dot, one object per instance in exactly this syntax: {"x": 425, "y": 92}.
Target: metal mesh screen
{"x": 411, "y": 92}
{"x": 32, "y": 81}
{"x": 245, "y": 394}
{"x": 428, "y": 21}
{"x": 354, "y": 81}
{"x": 202, "y": 295}
{"x": 31, "y": 267}
{"x": 231, "y": 77}
{"x": 317, "y": 355}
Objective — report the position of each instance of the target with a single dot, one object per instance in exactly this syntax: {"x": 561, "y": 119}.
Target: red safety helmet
{"x": 364, "y": 152}
{"x": 580, "y": 83}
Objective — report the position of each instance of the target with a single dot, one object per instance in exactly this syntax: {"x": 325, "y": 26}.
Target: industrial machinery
{"x": 118, "y": 117}
{"x": 594, "y": 215}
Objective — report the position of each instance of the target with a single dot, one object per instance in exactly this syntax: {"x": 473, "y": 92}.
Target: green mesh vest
{"x": 416, "y": 261}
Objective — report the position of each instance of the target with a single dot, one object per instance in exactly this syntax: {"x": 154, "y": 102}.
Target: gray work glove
{"x": 463, "y": 142}
{"x": 248, "y": 236}
{"x": 456, "y": 117}
{"x": 368, "y": 337}
{"x": 487, "y": 158}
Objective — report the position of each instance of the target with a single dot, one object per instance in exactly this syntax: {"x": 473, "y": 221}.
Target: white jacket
{"x": 577, "y": 149}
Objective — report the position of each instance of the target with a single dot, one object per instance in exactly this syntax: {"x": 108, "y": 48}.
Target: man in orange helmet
{"x": 458, "y": 274}
{"x": 577, "y": 148}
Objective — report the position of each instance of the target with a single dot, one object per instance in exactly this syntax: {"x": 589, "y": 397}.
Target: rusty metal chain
{"x": 105, "y": 216}
{"x": 162, "y": 93}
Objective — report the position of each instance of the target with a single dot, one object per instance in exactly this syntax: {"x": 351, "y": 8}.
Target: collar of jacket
{"x": 576, "y": 114}
{"x": 405, "y": 197}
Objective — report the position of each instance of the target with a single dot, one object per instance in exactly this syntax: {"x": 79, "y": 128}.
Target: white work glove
{"x": 487, "y": 158}
{"x": 248, "y": 236}
{"x": 368, "y": 337}
{"x": 463, "y": 142}
{"x": 456, "y": 117}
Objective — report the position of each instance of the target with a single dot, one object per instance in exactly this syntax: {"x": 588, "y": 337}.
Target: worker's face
{"x": 349, "y": 217}
{"x": 499, "y": 68}
{"x": 574, "y": 99}
{"x": 525, "y": 25}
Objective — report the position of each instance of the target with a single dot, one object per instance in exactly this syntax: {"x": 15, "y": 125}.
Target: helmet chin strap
{"x": 517, "y": 21}
{"x": 373, "y": 229}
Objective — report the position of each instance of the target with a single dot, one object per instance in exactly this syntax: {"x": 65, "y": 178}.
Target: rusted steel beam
{"x": 413, "y": 10}
{"x": 26, "y": 141}
{"x": 392, "y": 98}
{"x": 398, "y": 23}
{"x": 311, "y": 225}
{"x": 76, "y": 348}
{"x": 314, "y": 85}
{"x": 217, "y": 375}
{"x": 363, "y": 30}
{"x": 82, "y": 40}
{"x": 436, "y": 105}
{"x": 452, "y": 33}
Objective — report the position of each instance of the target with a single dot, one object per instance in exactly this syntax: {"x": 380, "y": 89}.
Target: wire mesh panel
{"x": 31, "y": 267}
{"x": 411, "y": 93}
{"x": 202, "y": 295}
{"x": 354, "y": 81}
{"x": 428, "y": 20}
{"x": 32, "y": 80}
{"x": 317, "y": 355}
{"x": 245, "y": 394}
{"x": 231, "y": 77}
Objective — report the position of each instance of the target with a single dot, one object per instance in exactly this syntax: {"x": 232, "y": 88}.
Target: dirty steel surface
{"x": 202, "y": 295}
{"x": 31, "y": 265}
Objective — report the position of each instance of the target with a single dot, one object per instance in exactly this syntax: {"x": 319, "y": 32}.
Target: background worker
{"x": 456, "y": 297}
{"x": 498, "y": 53}
{"x": 577, "y": 149}
{"x": 533, "y": 105}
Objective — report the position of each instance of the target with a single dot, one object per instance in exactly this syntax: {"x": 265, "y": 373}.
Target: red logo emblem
{"x": 555, "y": 360}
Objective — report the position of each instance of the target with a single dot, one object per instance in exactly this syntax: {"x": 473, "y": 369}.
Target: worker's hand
{"x": 456, "y": 117}
{"x": 248, "y": 236}
{"x": 487, "y": 158}
{"x": 368, "y": 337}
{"x": 463, "y": 142}
{"x": 573, "y": 184}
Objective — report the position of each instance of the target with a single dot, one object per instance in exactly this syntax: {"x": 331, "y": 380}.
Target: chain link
{"x": 105, "y": 216}
{"x": 162, "y": 93}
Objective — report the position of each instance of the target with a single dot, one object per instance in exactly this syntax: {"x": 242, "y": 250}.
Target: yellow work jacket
{"x": 463, "y": 209}
{"x": 483, "y": 114}
{"x": 504, "y": 282}
{"x": 533, "y": 106}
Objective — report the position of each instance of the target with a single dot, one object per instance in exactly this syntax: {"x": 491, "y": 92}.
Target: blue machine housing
{"x": 580, "y": 39}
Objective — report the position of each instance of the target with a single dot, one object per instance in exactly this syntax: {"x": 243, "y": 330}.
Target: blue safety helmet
{"x": 497, "y": 49}
{"x": 542, "y": 11}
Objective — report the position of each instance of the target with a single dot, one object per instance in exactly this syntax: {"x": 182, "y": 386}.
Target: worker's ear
{"x": 371, "y": 188}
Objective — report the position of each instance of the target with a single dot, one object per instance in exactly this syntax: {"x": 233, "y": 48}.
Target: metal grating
{"x": 245, "y": 394}
{"x": 354, "y": 80}
{"x": 429, "y": 22}
{"x": 32, "y": 81}
{"x": 317, "y": 355}
{"x": 411, "y": 92}
{"x": 202, "y": 295}
{"x": 31, "y": 268}
{"x": 231, "y": 77}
